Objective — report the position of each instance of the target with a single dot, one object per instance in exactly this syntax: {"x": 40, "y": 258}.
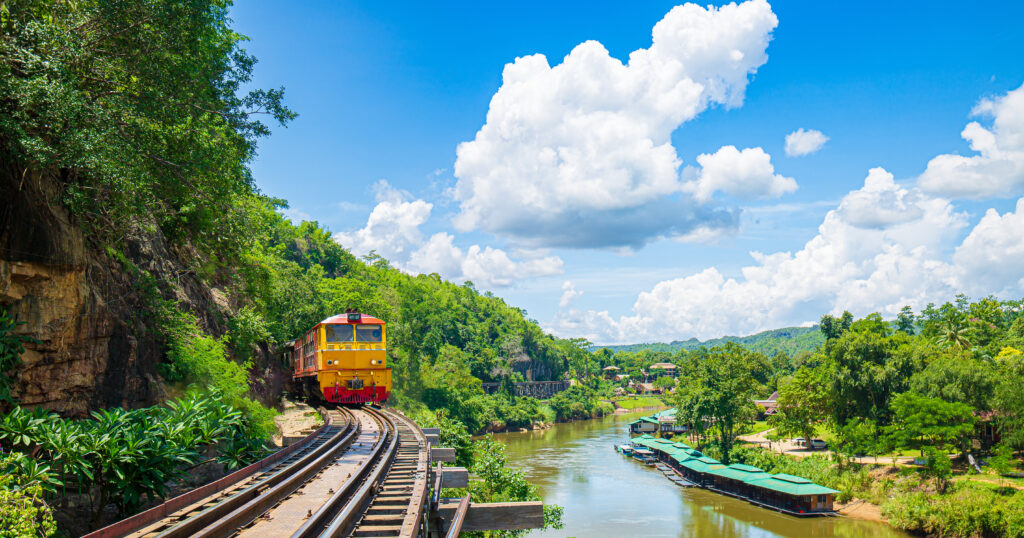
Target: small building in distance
{"x": 660, "y": 424}
{"x": 767, "y": 407}
{"x": 659, "y": 369}
{"x": 611, "y": 371}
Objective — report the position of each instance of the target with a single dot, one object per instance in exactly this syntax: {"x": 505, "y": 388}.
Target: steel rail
{"x": 395, "y": 506}
{"x": 225, "y": 517}
{"x": 334, "y": 508}
{"x": 424, "y": 447}
{"x": 352, "y": 509}
{"x": 458, "y": 518}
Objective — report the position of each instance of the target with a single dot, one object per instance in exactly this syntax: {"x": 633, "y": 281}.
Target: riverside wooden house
{"x": 786, "y": 493}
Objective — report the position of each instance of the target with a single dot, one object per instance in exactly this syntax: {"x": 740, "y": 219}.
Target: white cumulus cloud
{"x": 991, "y": 257}
{"x": 864, "y": 261}
{"x": 484, "y": 266}
{"x": 747, "y": 174}
{"x": 804, "y": 142}
{"x": 393, "y": 231}
{"x": 997, "y": 169}
{"x": 580, "y": 155}
{"x": 569, "y": 294}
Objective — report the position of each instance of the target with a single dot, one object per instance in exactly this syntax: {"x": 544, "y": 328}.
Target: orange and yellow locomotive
{"x": 343, "y": 359}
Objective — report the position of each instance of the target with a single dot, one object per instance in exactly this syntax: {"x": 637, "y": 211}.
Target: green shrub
{"x": 124, "y": 457}
{"x": 11, "y": 348}
{"x": 969, "y": 509}
{"x": 197, "y": 358}
{"x": 23, "y": 512}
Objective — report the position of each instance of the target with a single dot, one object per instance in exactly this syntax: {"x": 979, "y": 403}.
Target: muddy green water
{"x": 607, "y": 494}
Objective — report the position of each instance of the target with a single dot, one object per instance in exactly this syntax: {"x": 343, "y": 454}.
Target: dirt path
{"x": 787, "y": 447}
{"x": 297, "y": 418}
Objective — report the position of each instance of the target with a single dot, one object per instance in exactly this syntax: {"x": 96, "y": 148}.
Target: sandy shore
{"x": 860, "y": 509}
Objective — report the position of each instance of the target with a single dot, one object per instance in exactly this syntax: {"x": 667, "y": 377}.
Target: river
{"x": 606, "y": 494}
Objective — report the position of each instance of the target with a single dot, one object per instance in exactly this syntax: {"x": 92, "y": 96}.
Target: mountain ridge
{"x": 788, "y": 340}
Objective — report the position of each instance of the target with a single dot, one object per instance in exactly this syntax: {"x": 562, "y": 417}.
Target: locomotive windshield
{"x": 339, "y": 333}
{"x": 368, "y": 333}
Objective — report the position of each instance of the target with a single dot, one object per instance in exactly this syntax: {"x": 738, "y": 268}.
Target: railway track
{"x": 392, "y": 504}
{"x": 366, "y": 474}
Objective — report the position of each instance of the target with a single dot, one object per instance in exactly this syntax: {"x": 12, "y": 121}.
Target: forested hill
{"x": 788, "y": 340}
{"x": 142, "y": 258}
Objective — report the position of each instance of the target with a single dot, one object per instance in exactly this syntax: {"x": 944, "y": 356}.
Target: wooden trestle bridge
{"x": 365, "y": 472}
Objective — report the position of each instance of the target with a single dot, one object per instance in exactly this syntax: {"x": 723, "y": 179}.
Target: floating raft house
{"x": 686, "y": 466}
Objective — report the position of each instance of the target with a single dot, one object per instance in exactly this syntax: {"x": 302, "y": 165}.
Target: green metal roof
{"x": 645, "y": 419}
{"x": 787, "y": 485}
{"x": 792, "y": 478}
{"x": 693, "y": 452}
{"x": 743, "y": 473}
{"x": 642, "y": 442}
{"x": 664, "y": 441}
{"x": 680, "y": 445}
{"x": 670, "y": 412}
{"x": 709, "y": 459}
{"x": 681, "y": 457}
{"x": 700, "y": 466}
{"x": 672, "y": 451}
{"x": 646, "y": 436}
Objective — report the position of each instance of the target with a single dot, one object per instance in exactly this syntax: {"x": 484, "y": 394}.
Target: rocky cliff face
{"x": 94, "y": 346}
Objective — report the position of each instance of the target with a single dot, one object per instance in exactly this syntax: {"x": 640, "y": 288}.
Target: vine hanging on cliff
{"x": 12, "y": 345}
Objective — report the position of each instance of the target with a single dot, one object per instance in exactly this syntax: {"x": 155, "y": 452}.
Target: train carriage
{"x": 343, "y": 359}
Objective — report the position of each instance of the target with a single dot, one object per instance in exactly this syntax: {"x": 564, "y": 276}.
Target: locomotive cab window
{"x": 369, "y": 333}
{"x": 339, "y": 333}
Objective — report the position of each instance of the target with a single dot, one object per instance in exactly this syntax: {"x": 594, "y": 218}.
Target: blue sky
{"x": 550, "y": 207}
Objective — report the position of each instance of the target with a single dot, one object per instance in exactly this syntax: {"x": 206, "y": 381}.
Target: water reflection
{"x": 605, "y": 494}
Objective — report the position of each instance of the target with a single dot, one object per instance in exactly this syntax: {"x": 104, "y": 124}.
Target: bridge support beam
{"x": 494, "y": 516}
{"x": 442, "y": 454}
{"x": 454, "y": 477}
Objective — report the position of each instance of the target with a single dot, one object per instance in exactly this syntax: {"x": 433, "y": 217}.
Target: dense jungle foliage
{"x": 137, "y": 113}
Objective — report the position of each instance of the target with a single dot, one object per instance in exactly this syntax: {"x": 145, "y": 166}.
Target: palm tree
{"x": 953, "y": 334}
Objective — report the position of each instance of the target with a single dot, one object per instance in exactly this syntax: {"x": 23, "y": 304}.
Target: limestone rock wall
{"x": 94, "y": 346}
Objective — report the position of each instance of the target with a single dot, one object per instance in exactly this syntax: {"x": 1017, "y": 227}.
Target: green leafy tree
{"x": 802, "y": 404}
{"x": 866, "y": 367}
{"x": 922, "y": 422}
{"x": 142, "y": 103}
{"x": 664, "y": 383}
{"x": 939, "y": 467}
{"x": 718, "y": 391}
{"x": 858, "y": 437}
{"x": 1007, "y": 401}
{"x": 956, "y": 376}
{"x": 833, "y": 327}
{"x": 905, "y": 321}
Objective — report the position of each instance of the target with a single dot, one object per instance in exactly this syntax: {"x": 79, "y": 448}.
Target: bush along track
{"x": 118, "y": 457}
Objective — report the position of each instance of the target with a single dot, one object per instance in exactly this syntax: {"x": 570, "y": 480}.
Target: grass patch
{"x": 639, "y": 402}
{"x": 757, "y": 427}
